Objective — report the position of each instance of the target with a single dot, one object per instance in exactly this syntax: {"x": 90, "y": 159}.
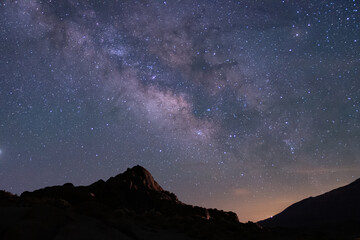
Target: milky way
{"x": 240, "y": 105}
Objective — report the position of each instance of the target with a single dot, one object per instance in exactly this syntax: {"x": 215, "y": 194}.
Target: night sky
{"x": 245, "y": 106}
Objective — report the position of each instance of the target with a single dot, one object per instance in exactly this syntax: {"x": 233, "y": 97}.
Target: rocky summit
{"x": 131, "y": 205}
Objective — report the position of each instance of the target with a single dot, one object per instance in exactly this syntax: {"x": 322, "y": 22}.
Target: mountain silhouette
{"x": 337, "y": 210}
{"x": 131, "y": 205}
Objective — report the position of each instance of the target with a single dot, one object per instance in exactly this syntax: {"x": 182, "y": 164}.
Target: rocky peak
{"x": 137, "y": 178}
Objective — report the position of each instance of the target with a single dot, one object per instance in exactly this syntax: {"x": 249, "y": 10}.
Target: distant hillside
{"x": 337, "y": 210}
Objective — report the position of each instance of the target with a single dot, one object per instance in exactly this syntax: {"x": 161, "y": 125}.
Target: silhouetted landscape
{"x": 241, "y": 105}
{"x": 336, "y": 212}
{"x": 133, "y": 205}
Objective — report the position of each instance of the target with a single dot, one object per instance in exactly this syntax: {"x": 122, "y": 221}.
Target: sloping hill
{"x": 337, "y": 209}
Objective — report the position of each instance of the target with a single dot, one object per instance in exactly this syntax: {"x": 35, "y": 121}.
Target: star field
{"x": 246, "y": 106}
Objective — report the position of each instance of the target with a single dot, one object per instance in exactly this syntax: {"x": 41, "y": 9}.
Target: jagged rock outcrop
{"x": 134, "y": 189}
{"x": 131, "y": 205}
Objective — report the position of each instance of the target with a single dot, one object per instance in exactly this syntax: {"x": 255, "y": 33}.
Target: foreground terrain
{"x": 133, "y": 205}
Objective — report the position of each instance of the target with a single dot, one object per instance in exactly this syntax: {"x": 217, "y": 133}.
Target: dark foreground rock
{"x": 131, "y": 205}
